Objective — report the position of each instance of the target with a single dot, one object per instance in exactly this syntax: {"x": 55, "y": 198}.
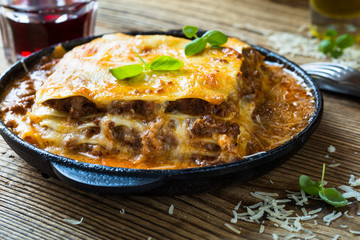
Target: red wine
{"x": 32, "y": 30}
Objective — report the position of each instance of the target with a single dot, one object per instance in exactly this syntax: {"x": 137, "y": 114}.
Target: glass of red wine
{"x": 30, "y": 25}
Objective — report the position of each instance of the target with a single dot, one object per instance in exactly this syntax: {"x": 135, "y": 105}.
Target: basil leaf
{"x": 331, "y": 33}
{"x": 127, "y": 71}
{"x": 147, "y": 66}
{"x": 190, "y": 31}
{"x": 326, "y": 46}
{"x": 335, "y": 53}
{"x": 195, "y": 46}
{"x": 333, "y": 197}
{"x": 345, "y": 41}
{"x": 166, "y": 63}
{"x": 309, "y": 186}
{"x": 215, "y": 37}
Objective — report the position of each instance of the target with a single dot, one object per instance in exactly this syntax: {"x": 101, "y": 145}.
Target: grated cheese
{"x": 293, "y": 44}
{"x": 331, "y": 149}
{"x": 261, "y": 197}
{"x": 353, "y": 181}
{"x": 350, "y": 192}
{"x": 297, "y": 200}
{"x": 235, "y": 218}
{"x": 331, "y": 217}
{"x": 283, "y": 201}
{"x": 256, "y": 205}
{"x": 258, "y": 215}
{"x": 290, "y": 236}
{"x": 315, "y": 211}
{"x": 347, "y": 215}
{"x": 74, "y": 222}
{"x": 305, "y": 218}
{"x": 251, "y": 212}
{"x": 171, "y": 209}
{"x": 275, "y": 236}
{"x": 334, "y": 165}
{"x": 304, "y": 211}
{"x": 262, "y": 228}
{"x": 232, "y": 228}
{"x": 237, "y": 206}
{"x": 273, "y": 210}
{"x": 297, "y": 224}
{"x": 267, "y": 194}
{"x": 336, "y": 237}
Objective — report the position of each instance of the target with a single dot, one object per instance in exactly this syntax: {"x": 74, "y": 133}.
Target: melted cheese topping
{"x": 84, "y": 71}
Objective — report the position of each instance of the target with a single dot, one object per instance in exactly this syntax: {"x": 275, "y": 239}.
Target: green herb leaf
{"x": 167, "y": 63}
{"x": 195, "y": 46}
{"x": 127, "y": 71}
{"x": 345, "y": 41}
{"x": 336, "y": 53}
{"x": 322, "y": 177}
{"x": 215, "y": 37}
{"x": 309, "y": 186}
{"x": 333, "y": 197}
{"x": 331, "y": 33}
{"x": 190, "y": 31}
{"x": 328, "y": 195}
{"x": 326, "y": 46}
{"x": 333, "y": 45}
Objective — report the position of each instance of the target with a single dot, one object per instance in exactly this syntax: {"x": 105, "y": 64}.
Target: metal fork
{"x": 335, "y": 77}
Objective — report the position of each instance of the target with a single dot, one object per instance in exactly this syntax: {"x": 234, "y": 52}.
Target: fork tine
{"x": 330, "y": 65}
{"x": 324, "y": 74}
{"x": 335, "y": 70}
{"x": 325, "y": 64}
{"x": 335, "y": 77}
{"x": 338, "y": 71}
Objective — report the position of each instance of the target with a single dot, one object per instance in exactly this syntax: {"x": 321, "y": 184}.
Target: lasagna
{"x": 224, "y": 104}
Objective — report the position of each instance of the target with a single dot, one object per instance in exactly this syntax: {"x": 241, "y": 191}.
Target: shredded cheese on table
{"x": 171, "y": 209}
{"x": 353, "y": 181}
{"x": 274, "y": 210}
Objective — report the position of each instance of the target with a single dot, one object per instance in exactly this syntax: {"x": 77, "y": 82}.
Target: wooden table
{"x": 32, "y": 207}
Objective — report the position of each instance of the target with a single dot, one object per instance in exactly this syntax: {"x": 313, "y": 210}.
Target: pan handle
{"x": 105, "y": 182}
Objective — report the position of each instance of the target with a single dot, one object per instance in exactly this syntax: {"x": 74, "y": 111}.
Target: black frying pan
{"x": 112, "y": 180}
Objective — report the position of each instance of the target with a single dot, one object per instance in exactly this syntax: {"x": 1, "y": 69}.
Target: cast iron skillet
{"x": 112, "y": 180}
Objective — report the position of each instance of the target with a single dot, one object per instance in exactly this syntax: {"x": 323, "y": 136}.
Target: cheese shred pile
{"x": 271, "y": 210}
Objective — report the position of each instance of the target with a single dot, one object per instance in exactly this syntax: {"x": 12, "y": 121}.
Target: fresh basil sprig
{"x": 166, "y": 63}
{"x": 214, "y": 37}
{"x": 328, "y": 195}
{"x": 334, "y": 45}
{"x": 127, "y": 71}
{"x": 162, "y": 63}
{"x": 309, "y": 186}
